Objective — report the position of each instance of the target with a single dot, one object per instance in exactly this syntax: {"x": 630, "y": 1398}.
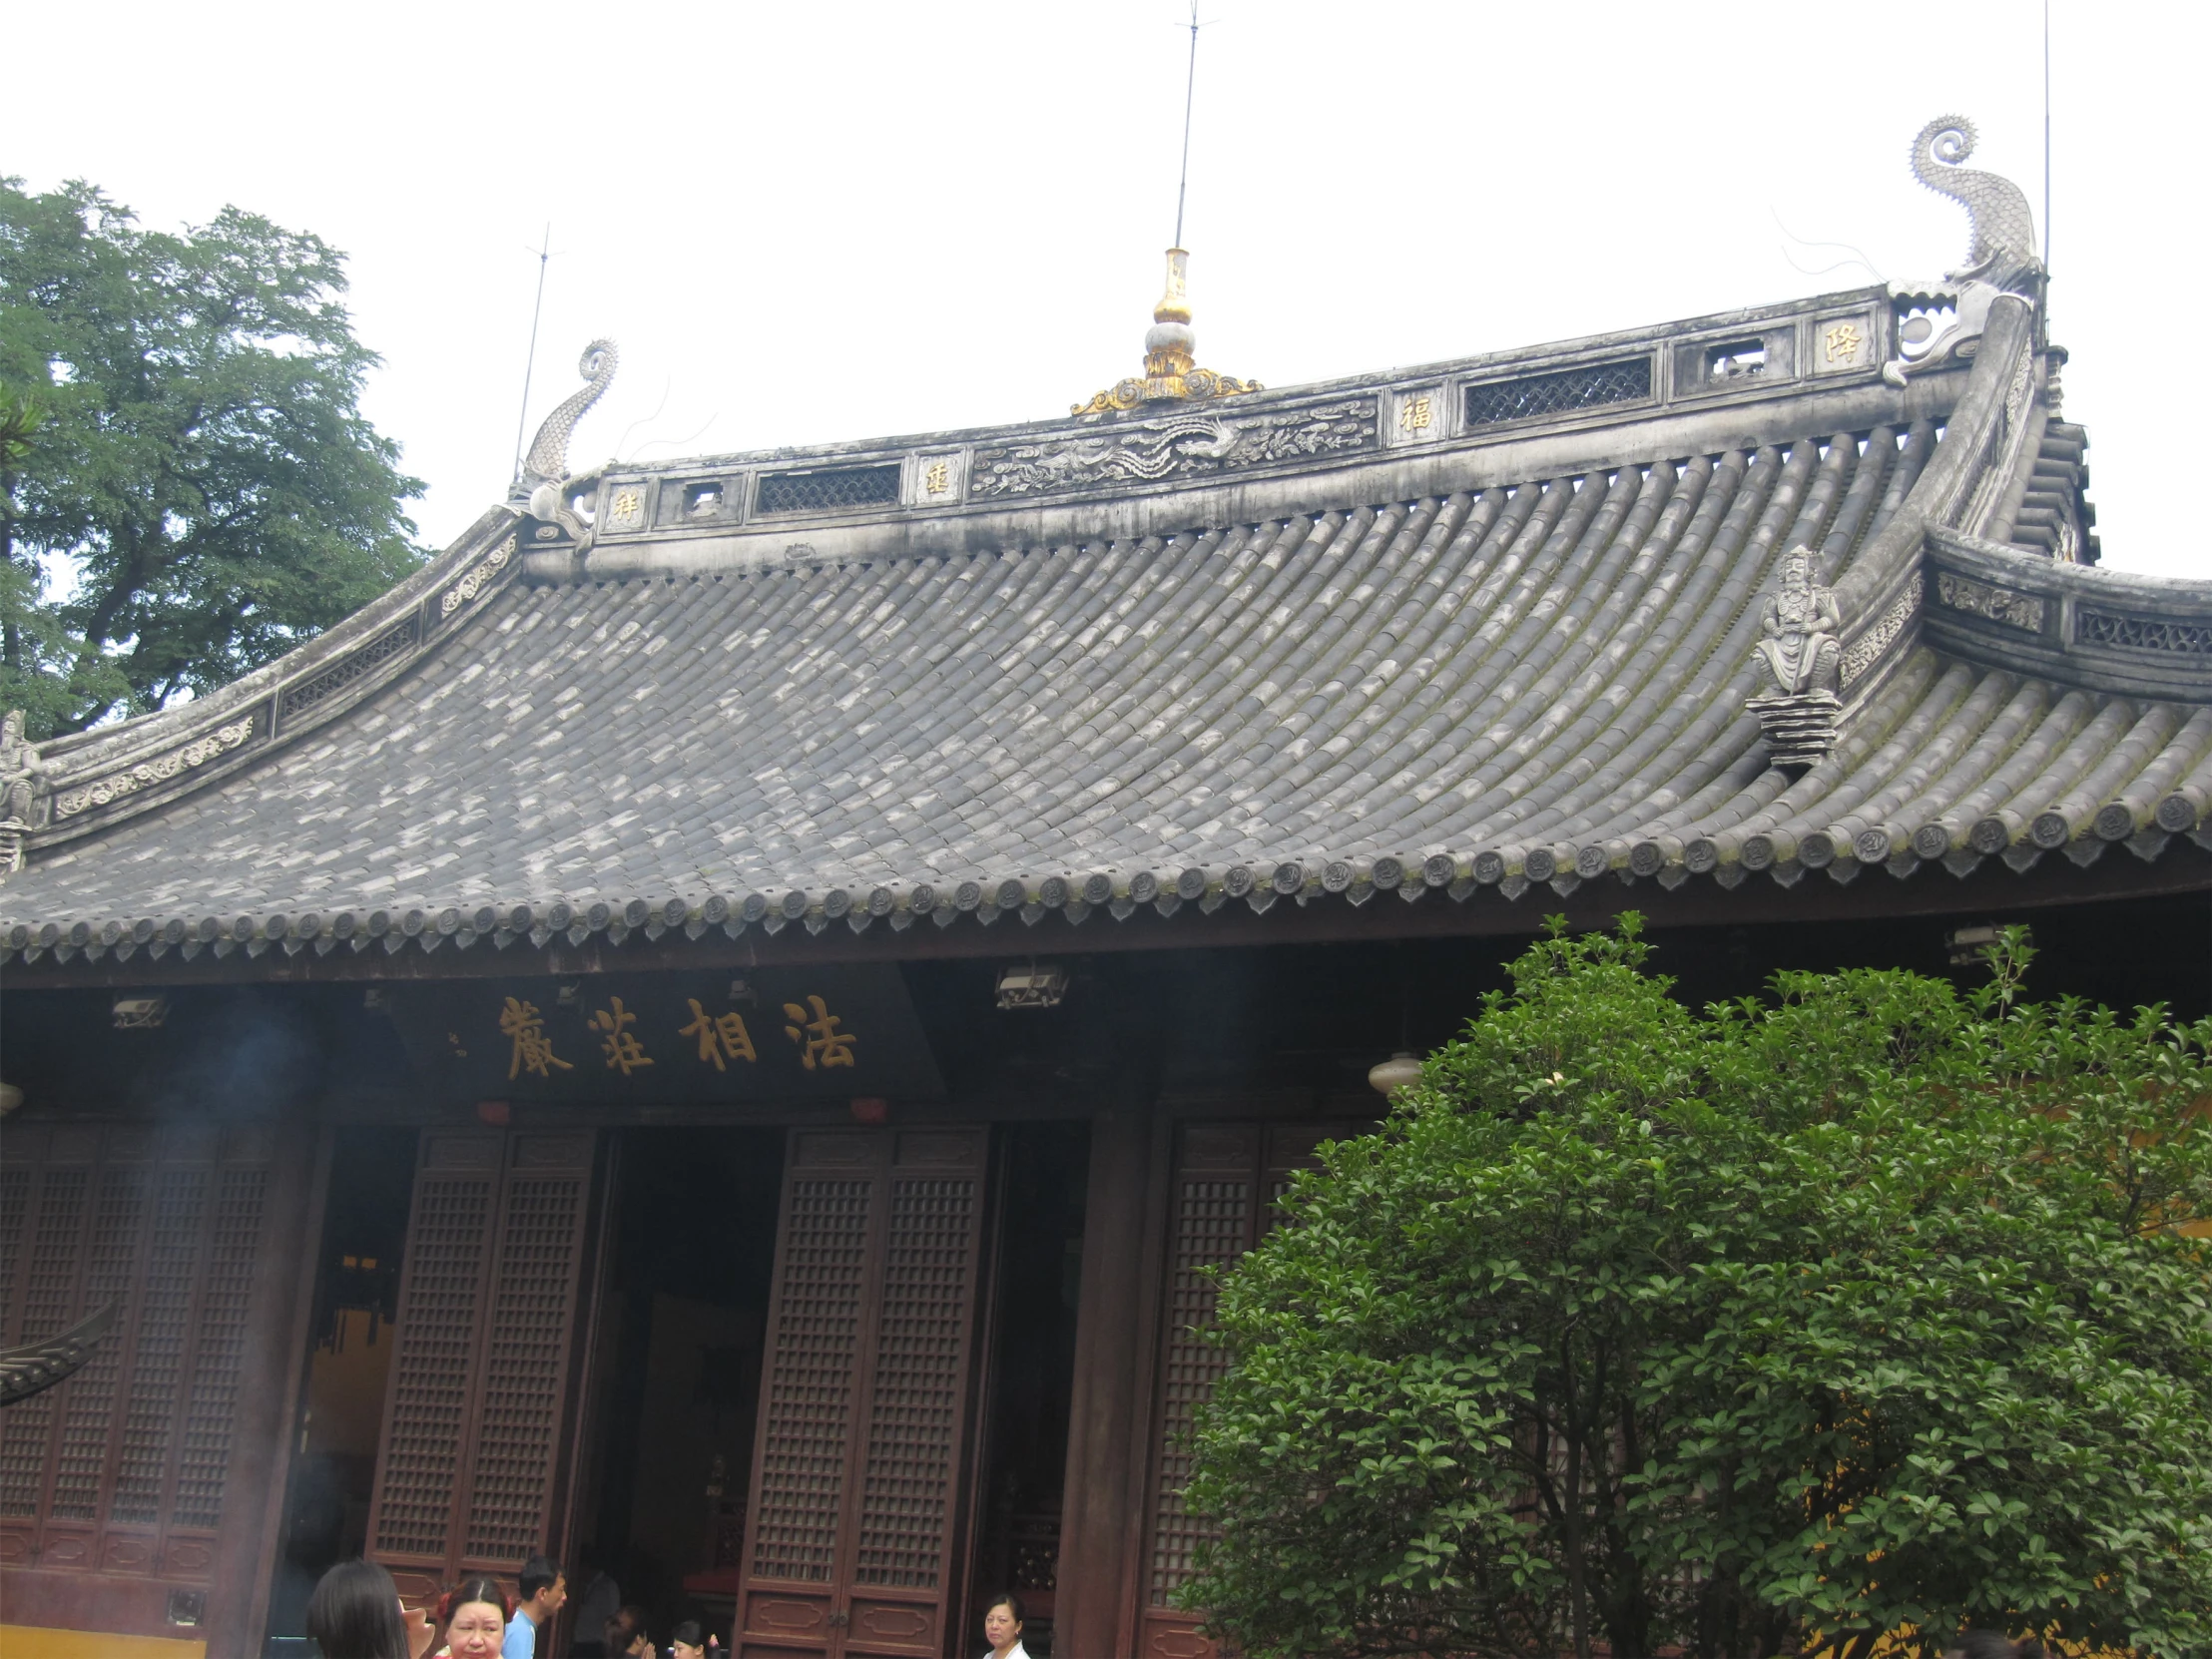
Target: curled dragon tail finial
{"x": 1997, "y": 215}
{"x": 548, "y": 457}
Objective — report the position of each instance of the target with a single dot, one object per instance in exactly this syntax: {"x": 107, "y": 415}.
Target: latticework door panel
{"x": 865, "y": 1428}
{"x": 48, "y": 1294}
{"x": 111, "y": 1267}
{"x": 480, "y": 1377}
{"x": 920, "y": 1383}
{"x": 121, "y": 1468}
{"x": 531, "y": 1307}
{"x": 1213, "y": 1225}
{"x": 1225, "y": 1178}
{"x": 808, "y": 1403}
{"x": 446, "y": 1238}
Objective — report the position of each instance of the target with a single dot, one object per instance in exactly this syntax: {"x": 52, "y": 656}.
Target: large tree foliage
{"x": 1755, "y": 1331}
{"x": 188, "y": 487}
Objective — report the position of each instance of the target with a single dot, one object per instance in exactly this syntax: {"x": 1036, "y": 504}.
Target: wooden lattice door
{"x": 470, "y": 1466}
{"x": 862, "y": 1451}
{"x": 126, "y": 1468}
{"x": 1220, "y": 1203}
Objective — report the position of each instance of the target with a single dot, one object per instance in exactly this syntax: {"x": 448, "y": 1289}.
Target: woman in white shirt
{"x": 1002, "y": 1627}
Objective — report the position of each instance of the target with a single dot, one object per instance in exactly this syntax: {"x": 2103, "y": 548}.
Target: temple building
{"x": 718, "y": 1028}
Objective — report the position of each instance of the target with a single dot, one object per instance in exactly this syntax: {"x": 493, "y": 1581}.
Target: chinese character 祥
{"x": 719, "y": 1037}
{"x": 1841, "y": 342}
{"x": 822, "y": 1043}
{"x": 627, "y": 503}
{"x": 938, "y": 478}
{"x": 622, "y": 1050}
{"x": 522, "y": 1024}
{"x": 1413, "y": 416}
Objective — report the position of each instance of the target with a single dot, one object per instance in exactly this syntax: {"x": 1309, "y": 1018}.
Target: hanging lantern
{"x": 1400, "y": 1071}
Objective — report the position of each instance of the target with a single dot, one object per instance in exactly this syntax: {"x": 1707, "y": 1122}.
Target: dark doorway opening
{"x": 341, "y": 1413}
{"x": 1032, "y": 1381}
{"x": 677, "y": 1376}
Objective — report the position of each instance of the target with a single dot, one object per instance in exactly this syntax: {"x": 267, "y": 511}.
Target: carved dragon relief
{"x": 546, "y": 487}
{"x": 2001, "y": 252}
{"x": 1147, "y": 451}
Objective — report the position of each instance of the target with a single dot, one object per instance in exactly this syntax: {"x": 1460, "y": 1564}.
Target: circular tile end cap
{"x": 2114, "y": 822}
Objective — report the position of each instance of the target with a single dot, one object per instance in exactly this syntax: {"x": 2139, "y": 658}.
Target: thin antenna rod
{"x": 1190, "y": 87}
{"x": 2046, "y": 135}
{"x": 522, "y": 419}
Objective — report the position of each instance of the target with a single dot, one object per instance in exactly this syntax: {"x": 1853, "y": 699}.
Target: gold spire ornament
{"x": 1170, "y": 358}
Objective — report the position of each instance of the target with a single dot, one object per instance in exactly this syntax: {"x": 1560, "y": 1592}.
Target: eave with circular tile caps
{"x": 1464, "y": 697}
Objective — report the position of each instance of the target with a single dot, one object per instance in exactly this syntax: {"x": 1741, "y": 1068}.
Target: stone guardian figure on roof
{"x": 1800, "y": 647}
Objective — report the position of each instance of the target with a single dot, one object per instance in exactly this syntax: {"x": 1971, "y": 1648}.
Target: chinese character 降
{"x": 822, "y": 1043}
{"x": 938, "y": 478}
{"x": 521, "y": 1023}
{"x": 1841, "y": 344}
{"x": 1413, "y": 416}
{"x": 619, "y": 1044}
{"x": 719, "y": 1037}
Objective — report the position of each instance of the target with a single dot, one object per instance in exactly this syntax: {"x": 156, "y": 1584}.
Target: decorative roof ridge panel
{"x": 1176, "y": 503}
{"x": 1482, "y": 364}
{"x": 2145, "y": 636}
{"x": 95, "y": 778}
{"x": 1764, "y": 355}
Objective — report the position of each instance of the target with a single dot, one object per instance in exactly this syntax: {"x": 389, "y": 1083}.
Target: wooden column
{"x": 1114, "y": 1324}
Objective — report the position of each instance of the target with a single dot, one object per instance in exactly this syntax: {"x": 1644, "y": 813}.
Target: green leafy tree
{"x": 188, "y": 487}
{"x": 1774, "y": 1327}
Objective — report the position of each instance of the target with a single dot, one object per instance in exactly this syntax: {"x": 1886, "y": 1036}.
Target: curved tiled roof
{"x": 1494, "y": 688}
{"x": 1494, "y": 679}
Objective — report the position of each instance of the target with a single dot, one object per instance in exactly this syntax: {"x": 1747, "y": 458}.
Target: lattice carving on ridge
{"x": 395, "y": 641}
{"x": 1561, "y": 391}
{"x": 2143, "y": 633}
{"x": 828, "y": 489}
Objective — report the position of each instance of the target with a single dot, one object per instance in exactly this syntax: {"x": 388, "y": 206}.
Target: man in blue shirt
{"x": 543, "y": 1588}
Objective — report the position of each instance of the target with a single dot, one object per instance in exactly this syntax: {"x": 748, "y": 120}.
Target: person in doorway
{"x": 356, "y": 1613}
{"x": 598, "y": 1599}
{"x": 544, "y": 1587}
{"x": 688, "y": 1641}
{"x": 1002, "y": 1627}
{"x": 624, "y": 1635}
{"x": 474, "y": 1613}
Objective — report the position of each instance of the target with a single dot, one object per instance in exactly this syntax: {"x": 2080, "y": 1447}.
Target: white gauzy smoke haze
{"x": 820, "y": 221}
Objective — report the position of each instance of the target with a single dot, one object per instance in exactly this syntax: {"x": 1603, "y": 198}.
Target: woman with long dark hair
{"x": 354, "y": 1613}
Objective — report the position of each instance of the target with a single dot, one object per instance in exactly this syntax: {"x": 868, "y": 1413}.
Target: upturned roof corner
{"x": 1715, "y": 598}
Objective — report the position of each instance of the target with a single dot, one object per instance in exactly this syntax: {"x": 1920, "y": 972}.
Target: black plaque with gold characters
{"x": 827, "y": 1033}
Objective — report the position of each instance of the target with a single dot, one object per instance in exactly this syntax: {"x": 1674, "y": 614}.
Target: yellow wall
{"x": 23, "y": 1642}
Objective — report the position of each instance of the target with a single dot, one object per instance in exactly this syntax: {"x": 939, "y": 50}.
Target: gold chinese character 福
{"x": 938, "y": 478}
{"x": 721, "y": 1037}
{"x": 1414, "y": 415}
{"x": 524, "y": 1026}
{"x": 821, "y": 1042}
{"x": 619, "y": 1044}
{"x": 1842, "y": 343}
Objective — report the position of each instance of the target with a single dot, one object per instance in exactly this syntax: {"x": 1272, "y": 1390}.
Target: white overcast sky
{"x": 812, "y": 221}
